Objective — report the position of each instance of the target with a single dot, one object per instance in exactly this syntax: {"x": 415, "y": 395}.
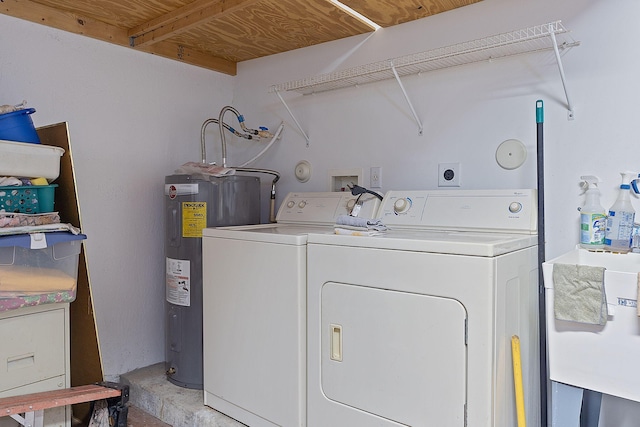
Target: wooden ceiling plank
{"x": 190, "y": 56}
{"x": 393, "y": 12}
{"x": 63, "y": 20}
{"x": 74, "y": 23}
{"x": 170, "y": 18}
{"x": 270, "y": 27}
{"x": 183, "y": 19}
{"x": 217, "y": 34}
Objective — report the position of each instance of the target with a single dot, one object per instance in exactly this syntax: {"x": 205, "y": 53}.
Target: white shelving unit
{"x": 552, "y": 36}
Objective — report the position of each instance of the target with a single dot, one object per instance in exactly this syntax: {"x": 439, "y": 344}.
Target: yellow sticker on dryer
{"x": 194, "y": 218}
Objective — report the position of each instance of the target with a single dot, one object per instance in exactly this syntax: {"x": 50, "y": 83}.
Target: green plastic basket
{"x": 30, "y": 199}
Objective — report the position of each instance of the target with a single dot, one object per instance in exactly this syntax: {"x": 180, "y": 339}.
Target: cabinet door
{"x": 33, "y": 348}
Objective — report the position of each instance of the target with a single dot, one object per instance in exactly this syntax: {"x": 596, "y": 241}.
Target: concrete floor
{"x": 150, "y": 391}
{"x": 136, "y": 417}
{"x": 139, "y": 418}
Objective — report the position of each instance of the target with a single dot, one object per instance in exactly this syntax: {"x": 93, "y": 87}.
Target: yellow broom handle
{"x": 517, "y": 381}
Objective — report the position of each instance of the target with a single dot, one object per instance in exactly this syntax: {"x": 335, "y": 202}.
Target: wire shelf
{"x": 533, "y": 39}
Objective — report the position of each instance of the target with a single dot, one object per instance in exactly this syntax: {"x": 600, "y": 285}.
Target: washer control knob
{"x": 302, "y": 204}
{"x": 515, "y": 207}
{"x": 291, "y": 204}
{"x": 401, "y": 205}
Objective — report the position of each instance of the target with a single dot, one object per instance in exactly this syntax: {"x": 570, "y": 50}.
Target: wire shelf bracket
{"x": 406, "y": 97}
{"x": 306, "y": 137}
{"x": 556, "y": 51}
{"x": 552, "y": 36}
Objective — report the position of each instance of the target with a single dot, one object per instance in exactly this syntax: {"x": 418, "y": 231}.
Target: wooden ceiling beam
{"x": 64, "y": 20}
{"x": 183, "y": 19}
{"x": 75, "y": 23}
{"x": 190, "y": 56}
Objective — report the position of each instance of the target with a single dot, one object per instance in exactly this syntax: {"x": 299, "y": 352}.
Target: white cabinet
{"x": 34, "y": 356}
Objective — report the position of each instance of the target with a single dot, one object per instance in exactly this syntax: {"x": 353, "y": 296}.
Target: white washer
{"x": 254, "y": 298}
{"x": 414, "y": 327}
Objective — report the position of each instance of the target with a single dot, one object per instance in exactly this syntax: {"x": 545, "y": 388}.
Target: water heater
{"x": 194, "y": 202}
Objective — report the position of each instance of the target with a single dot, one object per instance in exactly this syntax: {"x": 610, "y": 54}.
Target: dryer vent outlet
{"x": 449, "y": 175}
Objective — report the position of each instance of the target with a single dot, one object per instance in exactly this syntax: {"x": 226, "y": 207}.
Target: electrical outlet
{"x": 449, "y": 175}
{"x": 375, "y": 176}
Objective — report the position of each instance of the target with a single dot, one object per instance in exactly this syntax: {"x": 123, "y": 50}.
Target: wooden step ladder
{"x": 28, "y": 409}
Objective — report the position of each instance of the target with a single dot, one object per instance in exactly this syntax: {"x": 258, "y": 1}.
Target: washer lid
{"x": 290, "y": 234}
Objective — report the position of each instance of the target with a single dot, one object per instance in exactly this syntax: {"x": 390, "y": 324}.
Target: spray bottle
{"x": 593, "y": 217}
{"x": 620, "y": 219}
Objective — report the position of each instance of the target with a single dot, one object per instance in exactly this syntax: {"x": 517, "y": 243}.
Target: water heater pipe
{"x": 276, "y": 135}
{"x": 272, "y": 199}
{"x": 248, "y": 135}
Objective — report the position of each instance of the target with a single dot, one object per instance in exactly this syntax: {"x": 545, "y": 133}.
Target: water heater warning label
{"x": 194, "y": 218}
{"x": 178, "y": 282}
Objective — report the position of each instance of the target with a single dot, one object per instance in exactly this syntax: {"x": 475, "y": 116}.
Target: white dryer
{"x": 414, "y": 327}
{"x": 254, "y": 298}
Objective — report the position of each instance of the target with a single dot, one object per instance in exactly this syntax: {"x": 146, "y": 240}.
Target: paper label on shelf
{"x": 178, "y": 274}
{"x": 38, "y": 241}
{"x": 194, "y": 218}
{"x": 627, "y": 302}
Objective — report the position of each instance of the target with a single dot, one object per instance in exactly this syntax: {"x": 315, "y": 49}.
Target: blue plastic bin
{"x": 18, "y": 126}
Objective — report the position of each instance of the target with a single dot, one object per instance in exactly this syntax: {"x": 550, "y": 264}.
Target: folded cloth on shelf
{"x": 21, "y": 280}
{"x": 17, "y": 219}
{"x": 9, "y": 181}
{"x": 28, "y": 229}
{"x": 579, "y": 294}
{"x": 355, "y": 231}
{"x": 364, "y": 223}
{"x": 205, "y": 169}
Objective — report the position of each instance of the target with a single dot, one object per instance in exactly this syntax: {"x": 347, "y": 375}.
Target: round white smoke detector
{"x": 303, "y": 171}
{"x": 511, "y": 154}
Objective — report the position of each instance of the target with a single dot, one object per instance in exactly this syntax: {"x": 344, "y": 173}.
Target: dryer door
{"x": 396, "y": 355}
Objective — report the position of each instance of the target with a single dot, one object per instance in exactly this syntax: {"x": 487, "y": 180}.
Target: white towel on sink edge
{"x": 579, "y": 294}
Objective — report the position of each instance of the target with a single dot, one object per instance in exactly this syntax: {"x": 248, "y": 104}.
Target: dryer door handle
{"x": 336, "y": 342}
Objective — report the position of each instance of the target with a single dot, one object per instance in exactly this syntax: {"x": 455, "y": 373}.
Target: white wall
{"x": 467, "y": 111}
{"x": 133, "y": 118}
